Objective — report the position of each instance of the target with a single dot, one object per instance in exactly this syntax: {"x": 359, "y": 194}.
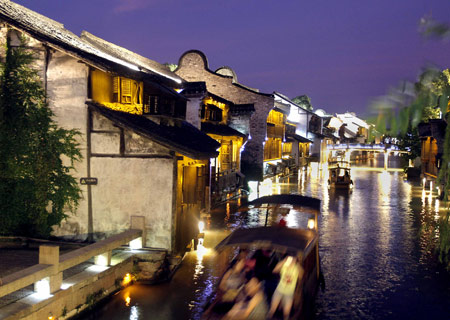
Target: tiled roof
{"x": 182, "y": 137}
{"x": 298, "y": 138}
{"x": 221, "y": 130}
{"x": 129, "y": 56}
{"x": 55, "y": 35}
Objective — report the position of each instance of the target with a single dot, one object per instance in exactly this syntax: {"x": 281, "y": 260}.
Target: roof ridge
{"x": 130, "y": 56}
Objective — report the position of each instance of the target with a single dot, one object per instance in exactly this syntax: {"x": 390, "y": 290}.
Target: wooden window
{"x": 123, "y": 91}
{"x": 226, "y": 155}
{"x": 116, "y": 90}
{"x": 154, "y": 104}
{"x": 125, "y": 86}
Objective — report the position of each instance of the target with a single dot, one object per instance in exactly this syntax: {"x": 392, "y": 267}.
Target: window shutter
{"x": 153, "y": 102}
{"x": 126, "y": 93}
{"x": 116, "y": 91}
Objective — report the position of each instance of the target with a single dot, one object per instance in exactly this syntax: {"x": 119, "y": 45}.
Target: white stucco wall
{"x": 193, "y": 111}
{"x": 67, "y": 81}
{"x": 139, "y": 182}
{"x": 133, "y": 186}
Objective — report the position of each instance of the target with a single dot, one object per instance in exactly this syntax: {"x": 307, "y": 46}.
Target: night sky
{"x": 341, "y": 53}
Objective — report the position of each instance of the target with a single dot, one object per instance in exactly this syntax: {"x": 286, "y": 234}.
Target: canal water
{"x": 375, "y": 248}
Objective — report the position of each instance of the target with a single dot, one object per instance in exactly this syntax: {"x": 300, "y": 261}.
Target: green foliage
{"x": 410, "y": 141}
{"x": 171, "y": 66}
{"x": 92, "y": 298}
{"x": 429, "y": 27}
{"x": 64, "y": 311}
{"x": 402, "y": 110}
{"x": 36, "y": 156}
{"x": 303, "y": 101}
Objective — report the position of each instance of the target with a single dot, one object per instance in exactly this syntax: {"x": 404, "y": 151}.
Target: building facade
{"x": 147, "y": 160}
{"x": 193, "y": 66}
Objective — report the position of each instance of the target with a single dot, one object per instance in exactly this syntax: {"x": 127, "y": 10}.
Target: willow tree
{"x": 399, "y": 113}
{"x": 36, "y": 156}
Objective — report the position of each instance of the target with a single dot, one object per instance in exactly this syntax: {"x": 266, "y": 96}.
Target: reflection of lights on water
{"x": 314, "y": 168}
{"x": 437, "y": 205}
{"x": 201, "y": 226}
{"x": 384, "y": 182}
{"x": 424, "y": 195}
{"x": 201, "y": 251}
{"x": 437, "y": 209}
{"x": 134, "y": 313}
{"x": 127, "y": 300}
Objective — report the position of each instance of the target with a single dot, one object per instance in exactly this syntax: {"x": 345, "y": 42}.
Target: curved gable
{"x": 193, "y": 58}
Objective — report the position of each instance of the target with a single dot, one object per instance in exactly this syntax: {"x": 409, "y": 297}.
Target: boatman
{"x": 291, "y": 273}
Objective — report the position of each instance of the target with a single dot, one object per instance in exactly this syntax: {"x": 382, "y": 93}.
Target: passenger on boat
{"x": 252, "y": 306}
{"x": 232, "y": 282}
{"x": 291, "y": 273}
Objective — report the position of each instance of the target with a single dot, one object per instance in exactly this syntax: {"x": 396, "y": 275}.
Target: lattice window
{"x": 116, "y": 89}
{"x": 126, "y": 94}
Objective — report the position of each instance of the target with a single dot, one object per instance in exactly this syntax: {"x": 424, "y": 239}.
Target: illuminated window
{"x": 126, "y": 91}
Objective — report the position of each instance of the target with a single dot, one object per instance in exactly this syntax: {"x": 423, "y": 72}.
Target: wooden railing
{"x": 226, "y": 181}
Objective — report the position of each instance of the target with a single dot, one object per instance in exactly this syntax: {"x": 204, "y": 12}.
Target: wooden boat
{"x": 279, "y": 241}
{"x": 339, "y": 175}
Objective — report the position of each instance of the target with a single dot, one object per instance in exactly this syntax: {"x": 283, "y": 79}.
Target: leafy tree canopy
{"x": 404, "y": 107}
{"x": 303, "y": 101}
{"x": 36, "y": 156}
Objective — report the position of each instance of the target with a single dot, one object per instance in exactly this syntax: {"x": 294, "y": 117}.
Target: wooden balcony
{"x": 275, "y": 131}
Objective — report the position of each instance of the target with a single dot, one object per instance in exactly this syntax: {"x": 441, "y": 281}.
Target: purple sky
{"x": 341, "y": 53}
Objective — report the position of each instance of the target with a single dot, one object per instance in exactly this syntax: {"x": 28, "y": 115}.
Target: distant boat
{"x": 339, "y": 175}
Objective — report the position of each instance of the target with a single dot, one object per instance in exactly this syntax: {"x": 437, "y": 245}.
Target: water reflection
{"x": 134, "y": 313}
{"x": 374, "y": 245}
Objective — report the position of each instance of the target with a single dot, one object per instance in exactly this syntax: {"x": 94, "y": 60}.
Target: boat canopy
{"x": 295, "y": 200}
{"x": 274, "y": 238}
{"x": 339, "y": 164}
